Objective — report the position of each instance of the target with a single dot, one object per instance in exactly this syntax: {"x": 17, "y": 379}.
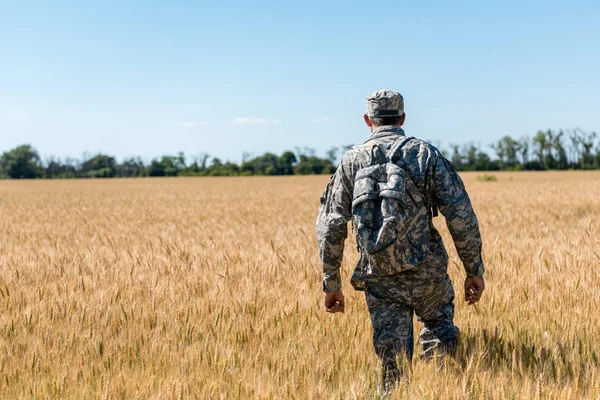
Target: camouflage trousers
{"x": 392, "y": 301}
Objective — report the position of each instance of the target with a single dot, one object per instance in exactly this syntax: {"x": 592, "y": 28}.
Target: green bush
{"x": 487, "y": 178}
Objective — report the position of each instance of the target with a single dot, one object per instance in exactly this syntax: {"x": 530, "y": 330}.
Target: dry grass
{"x": 210, "y": 288}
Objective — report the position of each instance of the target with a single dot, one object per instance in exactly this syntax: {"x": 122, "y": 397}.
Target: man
{"x": 422, "y": 286}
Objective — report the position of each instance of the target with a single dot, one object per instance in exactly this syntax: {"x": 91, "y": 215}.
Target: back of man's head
{"x": 384, "y": 107}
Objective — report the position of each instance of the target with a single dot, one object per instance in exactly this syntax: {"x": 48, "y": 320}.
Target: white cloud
{"x": 246, "y": 120}
{"x": 322, "y": 119}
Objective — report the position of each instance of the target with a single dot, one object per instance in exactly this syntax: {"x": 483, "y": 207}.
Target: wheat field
{"x": 209, "y": 288}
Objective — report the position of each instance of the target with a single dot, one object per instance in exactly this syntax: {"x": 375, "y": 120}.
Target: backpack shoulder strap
{"x": 378, "y": 156}
{"x": 425, "y": 192}
{"x": 396, "y": 147}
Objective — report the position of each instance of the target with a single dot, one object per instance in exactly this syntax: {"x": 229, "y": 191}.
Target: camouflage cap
{"x": 385, "y": 103}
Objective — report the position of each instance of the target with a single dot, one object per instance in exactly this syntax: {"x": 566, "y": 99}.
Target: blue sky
{"x": 152, "y": 78}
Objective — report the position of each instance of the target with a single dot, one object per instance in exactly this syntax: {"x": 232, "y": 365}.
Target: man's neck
{"x": 374, "y": 128}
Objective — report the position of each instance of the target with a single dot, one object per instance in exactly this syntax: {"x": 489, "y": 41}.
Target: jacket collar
{"x": 386, "y": 131}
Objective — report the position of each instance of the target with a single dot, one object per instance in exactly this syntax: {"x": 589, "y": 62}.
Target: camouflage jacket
{"x": 432, "y": 174}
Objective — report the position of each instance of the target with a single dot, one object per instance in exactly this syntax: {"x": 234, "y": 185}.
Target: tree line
{"x": 547, "y": 150}
{"x": 24, "y": 162}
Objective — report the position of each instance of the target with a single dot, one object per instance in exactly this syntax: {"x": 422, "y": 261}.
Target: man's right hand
{"x": 334, "y": 301}
{"x": 474, "y": 287}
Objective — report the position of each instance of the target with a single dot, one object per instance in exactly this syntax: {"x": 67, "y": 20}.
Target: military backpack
{"x": 390, "y": 215}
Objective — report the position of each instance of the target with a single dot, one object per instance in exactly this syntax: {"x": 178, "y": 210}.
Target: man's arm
{"x": 454, "y": 203}
{"x": 332, "y": 227}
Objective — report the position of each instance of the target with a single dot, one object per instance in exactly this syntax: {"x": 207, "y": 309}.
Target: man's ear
{"x": 402, "y": 119}
{"x": 368, "y": 121}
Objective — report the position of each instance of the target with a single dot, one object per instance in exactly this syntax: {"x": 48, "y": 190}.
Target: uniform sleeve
{"x": 451, "y": 196}
{"x": 332, "y": 227}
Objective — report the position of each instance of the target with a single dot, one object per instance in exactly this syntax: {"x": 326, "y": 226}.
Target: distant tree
{"x": 202, "y": 160}
{"x": 332, "y": 154}
{"x": 22, "y": 162}
{"x": 156, "y": 168}
{"x": 270, "y": 164}
{"x": 287, "y": 161}
{"x": 511, "y": 148}
{"x": 506, "y": 149}
{"x": 218, "y": 168}
{"x": 523, "y": 149}
{"x": 314, "y": 165}
{"x": 131, "y": 167}
{"x": 99, "y": 166}
{"x": 560, "y": 158}
{"x": 166, "y": 166}
{"x": 179, "y": 161}
{"x": 484, "y": 163}
{"x": 500, "y": 151}
{"x": 267, "y": 164}
{"x": 196, "y": 168}
{"x": 52, "y": 168}
{"x": 55, "y": 168}
{"x": 597, "y": 158}
{"x": 456, "y": 159}
{"x": 473, "y": 159}
{"x": 550, "y": 162}
{"x": 584, "y": 143}
{"x": 226, "y": 169}
{"x": 540, "y": 140}
{"x": 173, "y": 164}
{"x": 470, "y": 159}
{"x": 305, "y": 151}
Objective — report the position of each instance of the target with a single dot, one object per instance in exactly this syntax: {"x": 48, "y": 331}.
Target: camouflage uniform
{"x": 425, "y": 289}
